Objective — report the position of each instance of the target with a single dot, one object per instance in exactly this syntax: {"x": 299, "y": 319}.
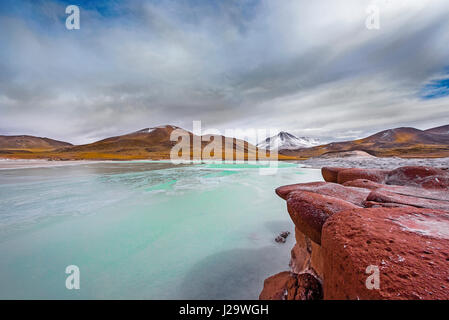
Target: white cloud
{"x": 301, "y": 66}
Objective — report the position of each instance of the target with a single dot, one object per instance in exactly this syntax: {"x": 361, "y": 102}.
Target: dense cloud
{"x": 309, "y": 67}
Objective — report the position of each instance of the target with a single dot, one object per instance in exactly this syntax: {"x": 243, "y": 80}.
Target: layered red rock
{"x": 433, "y": 194}
{"x": 385, "y": 196}
{"x": 396, "y": 221}
{"x": 412, "y": 173}
{"x": 290, "y": 286}
{"x": 342, "y": 175}
{"x": 373, "y": 204}
{"x": 307, "y": 288}
{"x": 363, "y": 183}
{"x": 376, "y": 175}
{"x": 301, "y": 253}
{"x": 350, "y": 194}
{"x": 306, "y": 256}
{"x": 284, "y": 191}
{"x": 276, "y": 286}
{"x": 425, "y": 177}
{"x": 310, "y": 210}
{"x": 436, "y": 182}
{"x": 330, "y": 174}
{"x": 409, "y": 246}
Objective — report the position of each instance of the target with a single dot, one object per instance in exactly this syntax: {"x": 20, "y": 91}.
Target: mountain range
{"x": 154, "y": 143}
{"x": 148, "y": 143}
{"x": 403, "y": 142}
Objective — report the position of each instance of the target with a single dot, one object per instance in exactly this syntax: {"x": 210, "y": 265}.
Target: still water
{"x": 143, "y": 230}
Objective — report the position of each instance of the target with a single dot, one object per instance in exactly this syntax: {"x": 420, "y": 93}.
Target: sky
{"x": 311, "y": 68}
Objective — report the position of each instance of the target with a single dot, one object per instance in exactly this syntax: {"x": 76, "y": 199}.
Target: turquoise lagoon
{"x": 143, "y": 230}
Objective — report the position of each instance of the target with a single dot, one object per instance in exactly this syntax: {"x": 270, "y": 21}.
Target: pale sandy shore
{"x": 37, "y": 163}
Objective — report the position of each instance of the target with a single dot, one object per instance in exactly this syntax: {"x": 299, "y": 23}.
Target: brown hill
{"x": 27, "y": 144}
{"x": 150, "y": 143}
{"x": 439, "y": 130}
{"x": 401, "y": 142}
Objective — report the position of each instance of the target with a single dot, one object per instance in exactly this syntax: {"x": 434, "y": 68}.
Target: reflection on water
{"x": 145, "y": 230}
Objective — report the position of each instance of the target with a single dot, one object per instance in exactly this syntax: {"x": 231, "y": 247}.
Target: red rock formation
{"x": 284, "y": 191}
{"x": 433, "y": 194}
{"x": 307, "y": 288}
{"x": 400, "y": 227}
{"x": 373, "y": 204}
{"x": 363, "y": 183}
{"x": 310, "y": 210}
{"x": 306, "y": 256}
{"x": 276, "y": 287}
{"x": 425, "y": 177}
{"x": 301, "y": 252}
{"x": 330, "y": 174}
{"x": 290, "y": 286}
{"x": 409, "y": 246}
{"x": 350, "y": 194}
{"x": 384, "y": 196}
{"x": 342, "y": 175}
{"x": 436, "y": 182}
{"x": 376, "y": 175}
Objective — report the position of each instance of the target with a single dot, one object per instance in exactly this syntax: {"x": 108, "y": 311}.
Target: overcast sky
{"x": 307, "y": 67}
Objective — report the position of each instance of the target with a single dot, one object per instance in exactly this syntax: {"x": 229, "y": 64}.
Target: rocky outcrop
{"x": 376, "y": 225}
{"x": 290, "y": 286}
{"x": 376, "y": 175}
{"x": 306, "y": 255}
{"x": 384, "y": 196}
{"x": 408, "y": 248}
{"x": 342, "y": 175}
{"x": 425, "y": 177}
{"x": 309, "y": 211}
{"x": 353, "y": 195}
{"x": 330, "y": 174}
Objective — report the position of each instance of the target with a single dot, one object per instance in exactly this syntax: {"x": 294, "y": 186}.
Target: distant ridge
{"x": 439, "y": 130}
{"x": 30, "y": 143}
{"x": 155, "y": 143}
{"x": 403, "y": 142}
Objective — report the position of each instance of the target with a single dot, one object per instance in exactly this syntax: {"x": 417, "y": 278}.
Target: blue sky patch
{"x": 435, "y": 89}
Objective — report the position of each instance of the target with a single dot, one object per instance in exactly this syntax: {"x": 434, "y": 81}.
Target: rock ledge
{"x": 367, "y": 234}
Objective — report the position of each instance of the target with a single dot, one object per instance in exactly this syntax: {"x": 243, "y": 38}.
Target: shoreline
{"x": 9, "y": 164}
{"x": 311, "y": 163}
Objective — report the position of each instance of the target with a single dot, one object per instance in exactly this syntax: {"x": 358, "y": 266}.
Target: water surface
{"x": 143, "y": 230}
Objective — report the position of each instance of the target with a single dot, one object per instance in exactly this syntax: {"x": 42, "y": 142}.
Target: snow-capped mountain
{"x": 287, "y": 141}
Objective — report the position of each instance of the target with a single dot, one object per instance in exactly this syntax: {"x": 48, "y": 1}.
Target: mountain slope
{"x": 139, "y": 142}
{"x": 439, "y": 130}
{"x": 153, "y": 143}
{"x": 29, "y": 143}
{"x": 403, "y": 142}
{"x": 287, "y": 141}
